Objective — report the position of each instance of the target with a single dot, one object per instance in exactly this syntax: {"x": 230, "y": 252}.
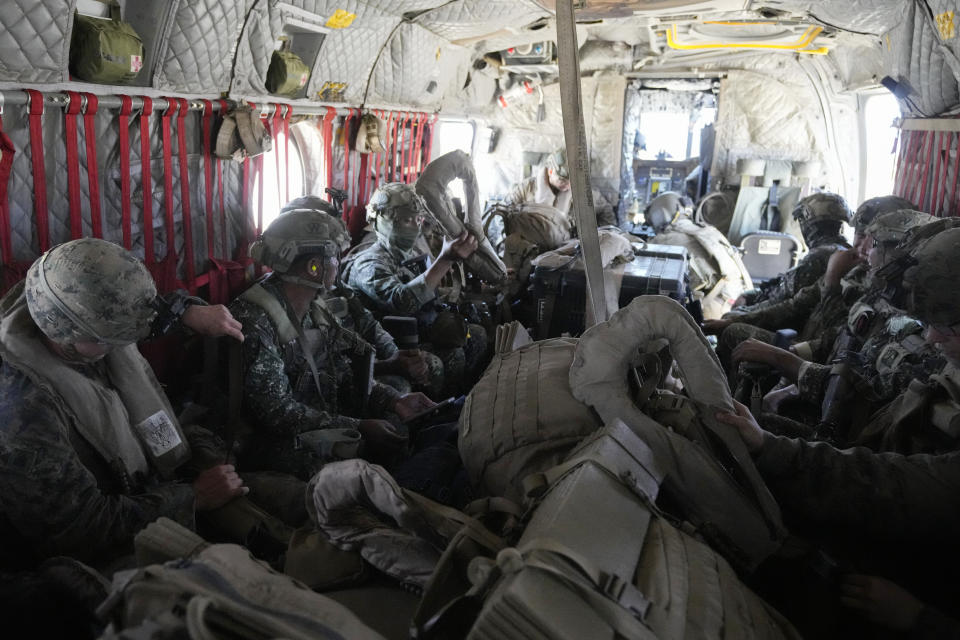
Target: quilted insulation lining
{"x": 36, "y": 40}
{"x": 199, "y": 49}
{"x": 461, "y": 20}
{"x": 23, "y": 228}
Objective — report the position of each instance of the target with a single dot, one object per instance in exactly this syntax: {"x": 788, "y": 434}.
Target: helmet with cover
{"x": 558, "y": 162}
{"x": 931, "y": 280}
{"x": 870, "y": 209}
{"x": 310, "y": 202}
{"x": 396, "y": 211}
{"x": 91, "y": 290}
{"x": 664, "y": 209}
{"x": 820, "y": 216}
{"x": 297, "y": 233}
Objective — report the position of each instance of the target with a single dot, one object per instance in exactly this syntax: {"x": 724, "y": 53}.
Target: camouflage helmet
{"x": 298, "y": 233}
{"x": 822, "y": 207}
{"x": 870, "y": 209}
{"x": 931, "y": 281}
{"x": 394, "y": 195}
{"x": 664, "y": 209}
{"x": 90, "y": 290}
{"x": 893, "y": 226}
{"x": 558, "y": 162}
{"x": 310, "y": 202}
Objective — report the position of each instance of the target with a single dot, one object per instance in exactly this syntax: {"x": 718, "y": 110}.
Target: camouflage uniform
{"x": 810, "y": 268}
{"x": 346, "y": 307}
{"x": 387, "y": 287}
{"x": 279, "y": 391}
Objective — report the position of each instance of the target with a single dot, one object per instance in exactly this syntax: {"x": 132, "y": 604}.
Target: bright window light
{"x": 879, "y": 113}
{"x": 274, "y": 189}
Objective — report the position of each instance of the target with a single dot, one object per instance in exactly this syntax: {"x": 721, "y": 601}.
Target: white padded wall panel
{"x": 460, "y": 20}
{"x": 35, "y": 40}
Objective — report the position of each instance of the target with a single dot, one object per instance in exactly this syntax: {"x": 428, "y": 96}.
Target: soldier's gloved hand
{"x": 459, "y": 248}
{"x": 410, "y": 404}
{"x": 880, "y": 601}
{"x": 217, "y": 486}
{"x": 214, "y": 321}
{"x": 746, "y": 424}
{"x": 715, "y": 327}
{"x": 413, "y": 365}
{"x": 381, "y": 433}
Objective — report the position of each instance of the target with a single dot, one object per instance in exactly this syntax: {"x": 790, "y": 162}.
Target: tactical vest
{"x": 130, "y": 421}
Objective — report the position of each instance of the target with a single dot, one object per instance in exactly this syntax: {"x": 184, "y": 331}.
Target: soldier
{"x": 717, "y": 274}
{"x": 306, "y": 377}
{"x": 821, "y": 216}
{"x": 90, "y": 448}
{"x": 550, "y": 184}
{"x": 388, "y": 285}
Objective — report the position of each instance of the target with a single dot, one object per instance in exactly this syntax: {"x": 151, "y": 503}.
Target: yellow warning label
{"x": 341, "y": 19}
{"x": 946, "y": 25}
{"x": 332, "y": 91}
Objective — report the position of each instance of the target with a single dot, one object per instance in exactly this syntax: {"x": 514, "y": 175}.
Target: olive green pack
{"x": 287, "y": 74}
{"x": 105, "y": 50}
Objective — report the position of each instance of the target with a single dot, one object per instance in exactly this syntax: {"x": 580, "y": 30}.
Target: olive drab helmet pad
{"x": 870, "y": 209}
{"x": 299, "y": 233}
{"x": 91, "y": 290}
{"x": 931, "y": 279}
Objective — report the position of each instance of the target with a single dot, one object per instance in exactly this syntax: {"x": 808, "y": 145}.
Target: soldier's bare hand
{"x": 217, "y": 486}
{"x": 752, "y": 350}
{"x": 715, "y": 327}
{"x": 410, "y": 404}
{"x": 381, "y": 433}
{"x": 459, "y": 248}
{"x": 880, "y": 601}
{"x": 214, "y": 321}
{"x": 413, "y": 365}
{"x": 746, "y": 424}
{"x": 840, "y": 263}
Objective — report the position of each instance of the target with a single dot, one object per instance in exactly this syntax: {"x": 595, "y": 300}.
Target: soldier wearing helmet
{"x": 305, "y": 376}
{"x": 821, "y": 217}
{"x": 550, "y": 184}
{"x": 384, "y": 277}
{"x": 90, "y": 447}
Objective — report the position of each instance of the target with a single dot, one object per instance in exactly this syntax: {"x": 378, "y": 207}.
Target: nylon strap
{"x": 146, "y": 179}
{"x": 362, "y": 182}
{"x": 39, "y": 169}
{"x": 302, "y": 340}
{"x": 576, "y": 144}
{"x": 185, "y": 194}
{"x": 7, "y": 151}
{"x": 422, "y": 122}
{"x": 165, "y": 120}
{"x": 276, "y": 125}
{"x": 327, "y": 131}
{"x": 245, "y": 199}
{"x": 223, "y": 210}
{"x": 377, "y": 159}
{"x": 346, "y": 155}
{"x": 286, "y": 151}
{"x": 403, "y": 147}
{"x": 93, "y": 173}
{"x": 208, "y": 177}
{"x": 382, "y": 178}
{"x": 73, "y": 163}
{"x": 126, "y": 108}
{"x": 392, "y": 152}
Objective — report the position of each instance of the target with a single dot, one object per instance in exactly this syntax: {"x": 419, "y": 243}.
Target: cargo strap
{"x": 286, "y": 152}
{"x": 576, "y": 145}
{"x": 208, "y": 177}
{"x": 346, "y": 155}
{"x": 185, "y": 194}
{"x": 73, "y": 163}
{"x": 7, "y": 151}
{"x": 418, "y": 166}
{"x": 39, "y": 169}
{"x": 225, "y": 247}
{"x": 326, "y": 126}
{"x": 93, "y": 174}
{"x": 170, "y": 239}
{"x": 146, "y": 179}
{"x": 126, "y": 108}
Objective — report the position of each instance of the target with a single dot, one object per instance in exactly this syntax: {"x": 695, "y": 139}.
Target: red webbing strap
{"x": 146, "y": 180}
{"x": 392, "y": 151}
{"x": 185, "y": 193}
{"x": 405, "y": 149}
{"x": 73, "y": 164}
{"x": 911, "y": 148}
{"x": 346, "y": 155}
{"x": 375, "y": 175}
{"x": 927, "y": 152}
{"x": 7, "y": 152}
{"x": 276, "y": 127}
{"x": 418, "y": 165}
{"x": 956, "y": 179}
{"x": 245, "y": 200}
{"x": 259, "y": 166}
{"x": 93, "y": 172}
{"x": 362, "y": 184}
{"x": 208, "y": 177}
{"x": 937, "y": 199}
{"x": 429, "y": 150}
{"x": 39, "y": 169}
{"x": 408, "y": 170}
{"x": 165, "y": 119}
{"x": 223, "y": 208}
{"x": 286, "y": 151}
{"x": 327, "y": 131}
{"x": 126, "y": 108}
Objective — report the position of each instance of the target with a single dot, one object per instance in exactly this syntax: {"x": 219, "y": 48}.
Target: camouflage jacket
{"x": 58, "y": 496}
{"x": 385, "y": 285}
{"x": 347, "y": 308}
{"x": 279, "y": 391}
{"x": 810, "y": 268}
{"x": 892, "y": 497}
{"x": 537, "y": 189}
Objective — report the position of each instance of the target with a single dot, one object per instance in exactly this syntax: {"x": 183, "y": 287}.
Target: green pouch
{"x": 105, "y": 50}
{"x": 287, "y": 74}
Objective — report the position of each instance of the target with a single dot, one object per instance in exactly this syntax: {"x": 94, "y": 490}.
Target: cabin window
{"x": 880, "y": 112}
{"x": 274, "y": 187}
{"x": 451, "y": 135}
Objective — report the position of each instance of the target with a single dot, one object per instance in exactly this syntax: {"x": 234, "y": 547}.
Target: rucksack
{"x": 105, "y": 50}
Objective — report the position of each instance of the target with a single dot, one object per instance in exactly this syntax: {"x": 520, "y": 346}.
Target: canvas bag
{"x": 105, "y": 50}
